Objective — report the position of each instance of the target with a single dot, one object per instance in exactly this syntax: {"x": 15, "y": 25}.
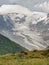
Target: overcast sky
{"x": 21, "y": 1}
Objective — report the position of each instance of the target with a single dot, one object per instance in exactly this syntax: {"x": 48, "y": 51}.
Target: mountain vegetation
{"x": 8, "y": 46}
{"x": 13, "y": 54}
{"x": 26, "y": 58}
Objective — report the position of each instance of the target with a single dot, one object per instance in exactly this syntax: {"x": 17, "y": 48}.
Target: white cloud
{"x": 14, "y": 9}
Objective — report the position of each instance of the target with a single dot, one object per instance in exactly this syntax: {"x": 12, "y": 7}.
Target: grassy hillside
{"x": 26, "y": 58}
{"x": 8, "y": 46}
{"x": 23, "y": 57}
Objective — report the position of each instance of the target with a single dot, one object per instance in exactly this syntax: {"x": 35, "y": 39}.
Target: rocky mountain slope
{"x": 29, "y": 29}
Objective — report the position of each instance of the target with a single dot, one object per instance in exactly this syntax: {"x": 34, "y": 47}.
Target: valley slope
{"x": 8, "y": 46}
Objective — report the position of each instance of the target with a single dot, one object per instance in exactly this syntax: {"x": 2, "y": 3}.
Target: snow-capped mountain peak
{"x": 27, "y": 28}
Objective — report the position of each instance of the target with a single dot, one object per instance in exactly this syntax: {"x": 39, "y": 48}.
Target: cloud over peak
{"x": 14, "y": 9}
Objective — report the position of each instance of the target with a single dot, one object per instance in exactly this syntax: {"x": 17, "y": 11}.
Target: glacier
{"x": 28, "y": 28}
